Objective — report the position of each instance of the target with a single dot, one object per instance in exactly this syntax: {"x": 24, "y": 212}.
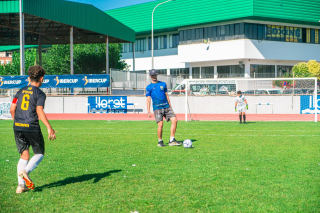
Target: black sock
{"x": 240, "y": 117}
{"x": 244, "y": 118}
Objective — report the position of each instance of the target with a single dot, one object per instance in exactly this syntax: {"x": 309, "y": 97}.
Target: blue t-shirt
{"x": 157, "y": 91}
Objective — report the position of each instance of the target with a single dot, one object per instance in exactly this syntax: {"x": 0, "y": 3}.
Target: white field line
{"x": 179, "y": 129}
{"x": 111, "y": 133}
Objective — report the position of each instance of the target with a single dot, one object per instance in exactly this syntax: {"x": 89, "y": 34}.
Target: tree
{"x": 88, "y": 59}
{"x": 14, "y": 67}
{"x": 301, "y": 70}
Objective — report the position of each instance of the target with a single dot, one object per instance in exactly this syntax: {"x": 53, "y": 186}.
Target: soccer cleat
{"x": 174, "y": 143}
{"x": 161, "y": 144}
{"x": 240, "y": 122}
{"x": 245, "y": 122}
{"x": 26, "y": 178}
{"x": 22, "y": 188}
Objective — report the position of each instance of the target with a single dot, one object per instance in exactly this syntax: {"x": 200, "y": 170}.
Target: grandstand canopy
{"x": 52, "y": 20}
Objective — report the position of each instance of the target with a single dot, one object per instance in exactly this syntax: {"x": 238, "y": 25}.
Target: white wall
{"x": 227, "y": 53}
{"x": 197, "y": 104}
{"x": 248, "y": 49}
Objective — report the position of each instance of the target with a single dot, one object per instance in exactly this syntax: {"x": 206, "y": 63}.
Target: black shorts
{"x": 26, "y": 139}
{"x": 167, "y": 113}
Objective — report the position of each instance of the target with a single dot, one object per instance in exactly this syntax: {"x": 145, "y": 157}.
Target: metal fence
{"x": 122, "y": 83}
{"x": 128, "y": 80}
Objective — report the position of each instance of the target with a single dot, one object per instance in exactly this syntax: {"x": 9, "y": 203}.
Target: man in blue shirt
{"x": 157, "y": 91}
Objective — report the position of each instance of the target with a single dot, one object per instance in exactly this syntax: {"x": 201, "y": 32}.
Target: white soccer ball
{"x": 187, "y": 143}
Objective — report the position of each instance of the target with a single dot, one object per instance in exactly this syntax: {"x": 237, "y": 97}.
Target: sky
{"x": 111, "y": 4}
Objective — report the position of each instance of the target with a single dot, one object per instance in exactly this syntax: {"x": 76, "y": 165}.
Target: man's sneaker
{"x": 22, "y": 188}
{"x": 174, "y": 143}
{"x": 26, "y": 178}
{"x": 240, "y": 122}
{"x": 161, "y": 144}
{"x": 245, "y": 122}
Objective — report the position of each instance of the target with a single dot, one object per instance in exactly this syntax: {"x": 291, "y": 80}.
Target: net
{"x": 272, "y": 99}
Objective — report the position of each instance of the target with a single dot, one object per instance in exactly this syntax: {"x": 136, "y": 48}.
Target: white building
{"x": 196, "y": 39}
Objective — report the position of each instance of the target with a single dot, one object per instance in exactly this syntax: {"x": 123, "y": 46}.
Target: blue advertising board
{"x": 57, "y": 81}
{"x": 107, "y": 104}
{"x": 307, "y": 105}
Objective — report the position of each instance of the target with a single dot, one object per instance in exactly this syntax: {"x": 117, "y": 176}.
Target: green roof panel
{"x": 183, "y": 13}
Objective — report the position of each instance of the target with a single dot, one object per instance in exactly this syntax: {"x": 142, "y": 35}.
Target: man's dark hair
{"x": 36, "y": 72}
{"x": 239, "y": 92}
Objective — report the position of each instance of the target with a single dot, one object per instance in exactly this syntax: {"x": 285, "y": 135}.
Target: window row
{"x": 250, "y": 31}
{"x": 230, "y": 71}
{"x": 159, "y": 42}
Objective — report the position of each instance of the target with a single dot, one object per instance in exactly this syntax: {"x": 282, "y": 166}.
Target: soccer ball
{"x": 187, "y": 143}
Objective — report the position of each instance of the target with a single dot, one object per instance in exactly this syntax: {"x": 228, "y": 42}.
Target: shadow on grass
{"x": 97, "y": 177}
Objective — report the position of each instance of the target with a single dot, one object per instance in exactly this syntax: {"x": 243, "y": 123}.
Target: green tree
{"x": 57, "y": 60}
{"x": 14, "y": 67}
{"x": 301, "y": 70}
{"x": 87, "y": 58}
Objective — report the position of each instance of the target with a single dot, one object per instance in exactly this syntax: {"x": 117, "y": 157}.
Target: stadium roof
{"x": 16, "y": 47}
{"x": 184, "y": 13}
{"x": 52, "y": 20}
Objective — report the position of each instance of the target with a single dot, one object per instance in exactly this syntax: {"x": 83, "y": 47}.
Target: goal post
{"x": 277, "y": 99}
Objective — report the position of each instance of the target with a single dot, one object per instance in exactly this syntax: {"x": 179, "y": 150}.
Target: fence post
{"x": 110, "y": 79}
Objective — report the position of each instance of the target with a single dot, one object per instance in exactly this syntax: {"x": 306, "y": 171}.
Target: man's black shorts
{"x": 26, "y": 139}
{"x": 167, "y": 113}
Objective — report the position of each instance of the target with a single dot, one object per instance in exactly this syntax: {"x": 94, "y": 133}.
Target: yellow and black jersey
{"x": 27, "y": 100}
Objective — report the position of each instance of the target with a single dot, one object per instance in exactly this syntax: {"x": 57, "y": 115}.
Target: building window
{"x": 162, "y": 72}
{"x": 284, "y": 71}
{"x": 207, "y": 72}
{"x": 159, "y": 42}
{"x": 183, "y": 72}
{"x": 2, "y": 62}
{"x": 130, "y": 47}
{"x": 174, "y": 40}
{"x": 231, "y": 30}
{"x": 231, "y": 71}
{"x": 124, "y": 47}
{"x": 262, "y": 71}
{"x": 140, "y": 45}
{"x": 8, "y": 61}
{"x": 195, "y": 72}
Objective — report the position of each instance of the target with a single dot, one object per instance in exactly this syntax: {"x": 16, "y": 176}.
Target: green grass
{"x": 259, "y": 167}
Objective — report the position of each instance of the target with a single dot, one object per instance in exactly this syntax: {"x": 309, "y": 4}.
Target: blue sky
{"x": 111, "y": 4}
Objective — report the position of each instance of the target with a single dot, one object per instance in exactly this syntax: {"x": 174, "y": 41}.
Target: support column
{"x": 107, "y": 55}
{"x": 134, "y": 62}
{"x": 22, "y": 41}
{"x": 71, "y": 51}
{"x": 247, "y": 69}
{"x": 40, "y": 50}
{"x": 134, "y": 56}
{"x": 168, "y": 71}
{"x": 276, "y": 71}
{"x": 200, "y": 72}
{"x": 190, "y": 72}
{"x": 215, "y": 72}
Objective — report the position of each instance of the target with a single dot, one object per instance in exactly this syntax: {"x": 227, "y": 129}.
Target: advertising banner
{"x": 307, "y": 105}
{"x": 292, "y": 34}
{"x": 107, "y": 104}
{"x": 57, "y": 81}
{"x": 5, "y": 110}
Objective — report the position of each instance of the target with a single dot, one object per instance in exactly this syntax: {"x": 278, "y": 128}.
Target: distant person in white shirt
{"x": 242, "y": 104}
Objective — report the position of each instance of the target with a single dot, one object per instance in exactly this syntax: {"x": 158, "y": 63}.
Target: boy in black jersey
{"x": 26, "y": 110}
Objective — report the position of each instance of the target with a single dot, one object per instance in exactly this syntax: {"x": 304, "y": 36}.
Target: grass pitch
{"x": 116, "y": 166}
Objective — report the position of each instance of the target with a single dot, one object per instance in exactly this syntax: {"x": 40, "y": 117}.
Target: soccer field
{"x": 116, "y": 166}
